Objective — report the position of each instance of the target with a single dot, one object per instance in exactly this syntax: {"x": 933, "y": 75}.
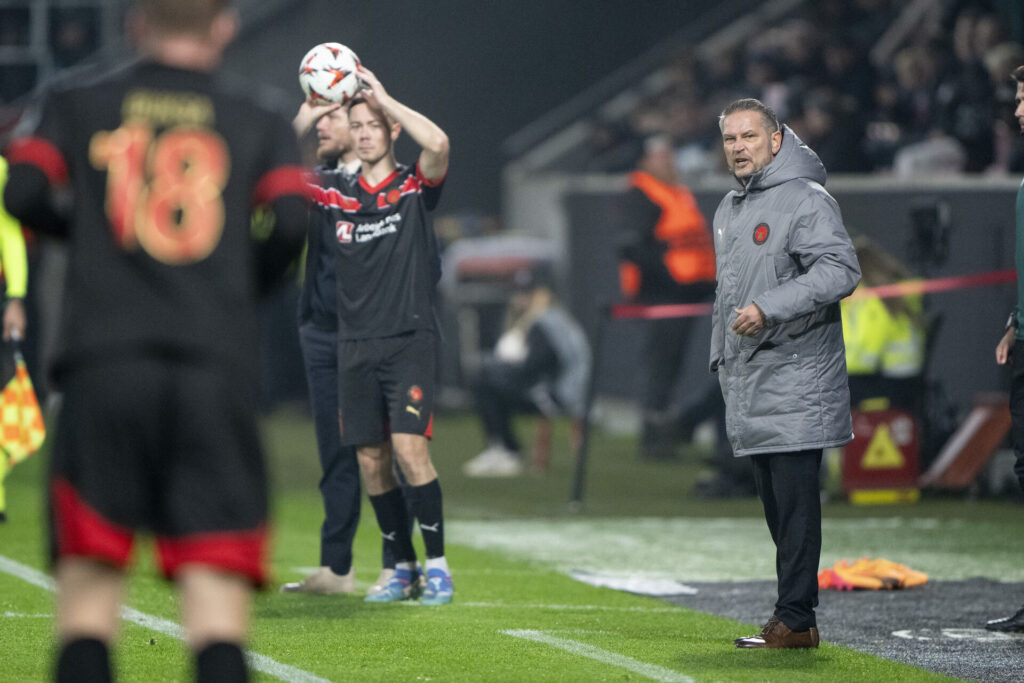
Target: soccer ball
{"x": 328, "y": 73}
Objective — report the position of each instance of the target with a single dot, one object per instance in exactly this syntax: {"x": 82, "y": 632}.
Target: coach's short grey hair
{"x": 771, "y": 121}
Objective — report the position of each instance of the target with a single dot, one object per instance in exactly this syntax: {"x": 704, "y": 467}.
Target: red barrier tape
{"x": 943, "y": 284}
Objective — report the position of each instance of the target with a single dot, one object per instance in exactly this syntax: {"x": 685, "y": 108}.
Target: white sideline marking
{"x": 20, "y": 615}
{"x": 256, "y": 661}
{"x": 978, "y": 635}
{"x": 571, "y": 608}
{"x": 652, "y": 671}
{"x": 704, "y": 549}
{"x": 638, "y": 585}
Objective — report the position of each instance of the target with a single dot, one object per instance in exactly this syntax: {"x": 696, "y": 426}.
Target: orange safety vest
{"x": 690, "y": 256}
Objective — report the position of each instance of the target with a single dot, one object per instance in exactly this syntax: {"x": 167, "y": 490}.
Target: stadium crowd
{"x": 871, "y": 85}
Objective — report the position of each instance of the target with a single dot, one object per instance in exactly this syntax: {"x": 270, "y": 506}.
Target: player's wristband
{"x": 1012, "y": 320}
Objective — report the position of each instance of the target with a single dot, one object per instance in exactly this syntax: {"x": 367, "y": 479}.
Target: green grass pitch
{"x": 517, "y": 616}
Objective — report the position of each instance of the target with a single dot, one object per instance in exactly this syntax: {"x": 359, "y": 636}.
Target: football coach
{"x": 784, "y": 261}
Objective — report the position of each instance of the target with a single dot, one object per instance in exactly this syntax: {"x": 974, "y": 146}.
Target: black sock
{"x": 221, "y": 663}
{"x": 394, "y": 524}
{"x": 426, "y": 502}
{"x": 85, "y": 660}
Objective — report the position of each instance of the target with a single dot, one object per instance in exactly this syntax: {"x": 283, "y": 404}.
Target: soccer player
{"x": 159, "y": 361}
{"x": 318, "y": 335}
{"x": 388, "y": 267}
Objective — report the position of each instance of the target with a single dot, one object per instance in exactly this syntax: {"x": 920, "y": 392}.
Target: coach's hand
{"x": 749, "y": 321}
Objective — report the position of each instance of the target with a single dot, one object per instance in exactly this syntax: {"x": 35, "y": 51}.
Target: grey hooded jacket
{"x": 781, "y": 244}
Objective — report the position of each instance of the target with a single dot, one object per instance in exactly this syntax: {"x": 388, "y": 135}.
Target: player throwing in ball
{"x": 388, "y": 267}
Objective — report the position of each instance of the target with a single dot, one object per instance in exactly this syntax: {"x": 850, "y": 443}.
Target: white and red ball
{"x": 328, "y": 73}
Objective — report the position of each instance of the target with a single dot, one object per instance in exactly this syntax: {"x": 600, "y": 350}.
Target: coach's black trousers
{"x": 339, "y": 485}
{"x": 787, "y": 484}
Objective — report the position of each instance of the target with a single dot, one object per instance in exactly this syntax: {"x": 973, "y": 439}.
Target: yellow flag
{"x": 21, "y": 421}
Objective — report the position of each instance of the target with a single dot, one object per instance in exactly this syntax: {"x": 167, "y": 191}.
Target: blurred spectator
{"x": 540, "y": 364}
{"x": 74, "y": 34}
{"x": 666, "y": 257}
{"x": 861, "y": 22}
{"x": 917, "y": 71}
{"x": 868, "y": 20}
{"x": 965, "y": 95}
{"x": 831, "y": 126}
{"x": 883, "y": 132}
{"x": 885, "y": 337}
{"x": 613, "y": 147}
{"x": 937, "y": 154}
{"x": 844, "y": 68}
{"x": 719, "y": 72}
{"x": 695, "y": 137}
{"x": 863, "y": 78}
{"x": 1008, "y": 147}
{"x": 763, "y": 79}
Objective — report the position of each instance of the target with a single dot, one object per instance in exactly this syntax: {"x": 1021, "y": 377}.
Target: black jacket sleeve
{"x": 29, "y": 198}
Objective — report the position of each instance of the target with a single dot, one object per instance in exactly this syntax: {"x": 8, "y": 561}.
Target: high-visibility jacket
{"x": 12, "y": 247}
{"x": 879, "y": 342}
{"x": 689, "y": 253}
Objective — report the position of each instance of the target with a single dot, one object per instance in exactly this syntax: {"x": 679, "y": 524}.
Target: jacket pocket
{"x": 780, "y": 389}
{"x": 784, "y": 268}
{"x": 769, "y": 352}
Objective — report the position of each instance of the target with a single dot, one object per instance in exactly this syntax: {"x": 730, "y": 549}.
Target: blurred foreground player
{"x": 1011, "y": 349}
{"x": 388, "y": 268}
{"x": 158, "y": 428}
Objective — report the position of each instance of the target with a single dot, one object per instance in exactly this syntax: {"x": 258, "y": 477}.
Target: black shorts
{"x": 167, "y": 447}
{"x": 386, "y": 386}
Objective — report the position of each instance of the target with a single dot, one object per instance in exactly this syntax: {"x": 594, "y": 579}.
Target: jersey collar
{"x": 384, "y": 183}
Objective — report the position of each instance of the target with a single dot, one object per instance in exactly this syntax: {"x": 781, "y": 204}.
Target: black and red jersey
{"x": 388, "y": 258}
{"x": 317, "y": 299}
{"x": 167, "y": 168}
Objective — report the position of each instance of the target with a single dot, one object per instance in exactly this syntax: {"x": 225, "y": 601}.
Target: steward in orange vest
{"x": 675, "y": 261}
{"x": 666, "y": 256}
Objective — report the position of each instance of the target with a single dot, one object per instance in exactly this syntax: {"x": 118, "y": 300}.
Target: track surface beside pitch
{"x": 938, "y": 627}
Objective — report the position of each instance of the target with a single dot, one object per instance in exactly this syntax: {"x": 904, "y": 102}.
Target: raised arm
{"x": 309, "y": 113}
{"x": 433, "y": 141}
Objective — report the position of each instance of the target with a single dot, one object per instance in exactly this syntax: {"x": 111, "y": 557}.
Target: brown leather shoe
{"x": 769, "y": 625}
{"x": 778, "y": 635}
